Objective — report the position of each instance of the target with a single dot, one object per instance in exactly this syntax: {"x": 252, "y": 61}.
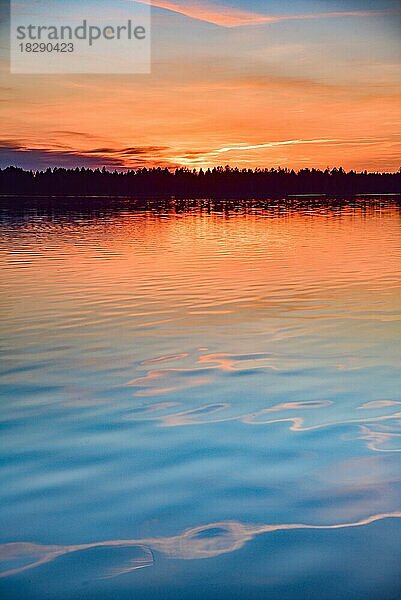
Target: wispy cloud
{"x": 41, "y": 158}
{"x": 211, "y": 13}
{"x": 203, "y": 157}
{"x": 242, "y": 147}
{"x": 224, "y": 16}
{"x": 19, "y": 154}
{"x": 239, "y": 153}
{"x": 129, "y": 151}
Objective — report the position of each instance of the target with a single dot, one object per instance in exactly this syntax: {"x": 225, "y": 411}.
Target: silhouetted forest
{"x": 219, "y": 182}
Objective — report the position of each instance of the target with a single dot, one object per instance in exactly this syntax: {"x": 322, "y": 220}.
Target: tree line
{"x": 219, "y": 182}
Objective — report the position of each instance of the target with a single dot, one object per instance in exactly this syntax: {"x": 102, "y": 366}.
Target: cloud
{"x": 208, "y": 157}
{"x": 193, "y": 157}
{"x": 224, "y": 16}
{"x": 13, "y": 152}
{"x": 130, "y": 151}
{"x": 243, "y": 147}
{"x": 68, "y": 133}
{"x": 210, "y": 13}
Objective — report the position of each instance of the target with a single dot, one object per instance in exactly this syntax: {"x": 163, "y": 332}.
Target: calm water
{"x": 200, "y": 402}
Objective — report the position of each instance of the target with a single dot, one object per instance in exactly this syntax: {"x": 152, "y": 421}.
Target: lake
{"x": 200, "y": 399}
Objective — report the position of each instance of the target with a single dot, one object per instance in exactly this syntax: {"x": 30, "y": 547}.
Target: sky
{"x": 252, "y": 84}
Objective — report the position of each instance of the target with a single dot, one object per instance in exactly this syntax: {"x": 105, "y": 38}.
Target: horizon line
{"x": 223, "y": 167}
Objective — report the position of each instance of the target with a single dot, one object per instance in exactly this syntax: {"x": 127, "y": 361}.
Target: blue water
{"x": 200, "y": 400}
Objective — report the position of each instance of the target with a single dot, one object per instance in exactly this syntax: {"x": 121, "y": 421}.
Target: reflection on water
{"x": 198, "y": 542}
{"x": 200, "y": 368}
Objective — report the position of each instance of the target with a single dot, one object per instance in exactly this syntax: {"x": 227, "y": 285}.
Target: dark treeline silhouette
{"x": 219, "y": 182}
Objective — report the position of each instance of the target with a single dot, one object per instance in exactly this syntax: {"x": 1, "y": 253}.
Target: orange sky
{"x": 259, "y": 84}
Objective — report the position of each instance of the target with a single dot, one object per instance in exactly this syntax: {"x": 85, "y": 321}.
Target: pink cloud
{"x": 229, "y": 17}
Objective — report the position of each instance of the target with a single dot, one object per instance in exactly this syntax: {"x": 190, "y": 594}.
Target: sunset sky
{"x": 255, "y": 84}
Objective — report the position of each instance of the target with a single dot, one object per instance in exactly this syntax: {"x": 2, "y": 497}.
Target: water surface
{"x": 200, "y": 400}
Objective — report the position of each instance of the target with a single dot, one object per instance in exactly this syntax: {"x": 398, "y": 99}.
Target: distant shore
{"x": 217, "y": 183}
